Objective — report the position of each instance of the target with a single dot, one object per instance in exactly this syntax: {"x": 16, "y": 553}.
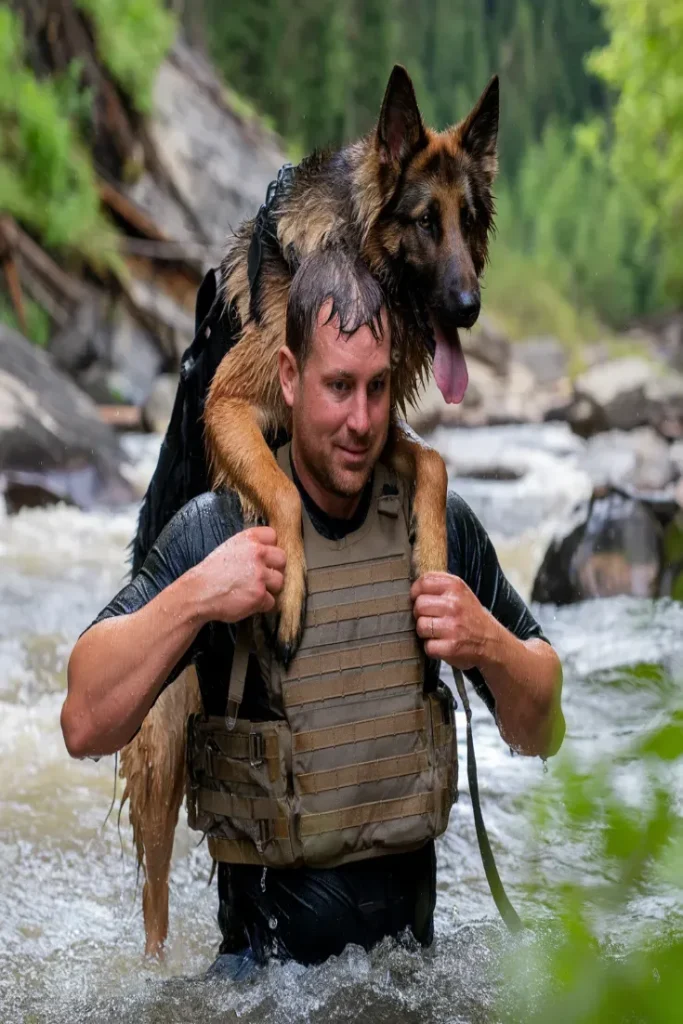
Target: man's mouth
{"x": 450, "y": 369}
{"x": 354, "y": 454}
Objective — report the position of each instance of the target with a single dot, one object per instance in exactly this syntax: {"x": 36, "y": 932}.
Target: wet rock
{"x": 638, "y": 459}
{"x": 490, "y": 399}
{"x": 616, "y": 548}
{"x": 627, "y": 393}
{"x": 156, "y": 414}
{"x": 676, "y": 457}
{"x": 546, "y": 357}
{"x": 51, "y": 437}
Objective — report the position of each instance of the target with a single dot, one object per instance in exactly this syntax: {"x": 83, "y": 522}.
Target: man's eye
{"x": 377, "y": 387}
{"x": 340, "y": 386}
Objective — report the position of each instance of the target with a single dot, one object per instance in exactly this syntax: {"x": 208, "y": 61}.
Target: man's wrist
{"x": 194, "y": 601}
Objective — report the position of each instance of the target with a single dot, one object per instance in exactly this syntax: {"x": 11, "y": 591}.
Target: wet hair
{"x": 331, "y": 274}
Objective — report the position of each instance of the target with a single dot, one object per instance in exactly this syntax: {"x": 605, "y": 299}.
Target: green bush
{"x": 594, "y": 964}
{"x": 133, "y": 37}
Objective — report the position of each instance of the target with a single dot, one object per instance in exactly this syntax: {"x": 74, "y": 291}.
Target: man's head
{"x": 335, "y": 374}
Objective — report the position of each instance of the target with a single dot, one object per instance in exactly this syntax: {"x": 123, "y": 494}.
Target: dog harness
{"x": 360, "y": 761}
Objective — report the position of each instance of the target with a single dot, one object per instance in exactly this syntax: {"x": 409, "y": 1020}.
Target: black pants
{"x": 309, "y": 914}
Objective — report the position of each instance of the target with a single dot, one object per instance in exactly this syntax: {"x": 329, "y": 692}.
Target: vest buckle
{"x": 257, "y": 749}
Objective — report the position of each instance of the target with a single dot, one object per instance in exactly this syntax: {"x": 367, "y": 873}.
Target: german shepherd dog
{"x": 417, "y": 205}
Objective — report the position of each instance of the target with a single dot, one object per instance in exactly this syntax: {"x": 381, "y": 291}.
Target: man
{"x": 207, "y": 573}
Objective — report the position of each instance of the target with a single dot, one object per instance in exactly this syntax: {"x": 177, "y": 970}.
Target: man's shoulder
{"x": 204, "y": 523}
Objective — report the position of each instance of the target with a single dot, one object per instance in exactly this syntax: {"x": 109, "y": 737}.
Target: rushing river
{"x": 71, "y": 929}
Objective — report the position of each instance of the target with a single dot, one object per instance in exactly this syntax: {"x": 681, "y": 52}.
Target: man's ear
{"x": 400, "y": 132}
{"x": 479, "y": 131}
{"x": 289, "y": 375}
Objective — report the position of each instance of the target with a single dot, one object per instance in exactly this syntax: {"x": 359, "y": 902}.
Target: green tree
{"x": 643, "y": 63}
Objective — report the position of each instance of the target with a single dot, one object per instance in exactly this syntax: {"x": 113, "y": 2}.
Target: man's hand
{"x": 241, "y": 577}
{"x": 453, "y": 623}
{"x": 524, "y": 676}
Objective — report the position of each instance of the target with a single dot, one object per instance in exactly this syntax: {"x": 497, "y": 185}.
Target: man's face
{"x": 340, "y": 404}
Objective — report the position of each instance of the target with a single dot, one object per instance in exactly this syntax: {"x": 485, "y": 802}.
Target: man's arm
{"x": 524, "y": 676}
{"x": 119, "y": 665}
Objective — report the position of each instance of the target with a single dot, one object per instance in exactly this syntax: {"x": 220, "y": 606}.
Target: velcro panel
{"x": 367, "y": 656}
{"x": 357, "y": 575}
{"x": 368, "y": 771}
{"x": 348, "y": 684}
{"x": 367, "y": 814}
{"x": 359, "y": 732}
{"x": 358, "y": 609}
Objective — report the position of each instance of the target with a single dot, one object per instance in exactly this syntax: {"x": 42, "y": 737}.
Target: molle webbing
{"x": 359, "y": 761}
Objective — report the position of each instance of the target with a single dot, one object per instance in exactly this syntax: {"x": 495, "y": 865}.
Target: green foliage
{"x": 133, "y": 37}
{"x": 633, "y": 839}
{"x": 319, "y": 67}
{"x": 46, "y": 177}
{"x": 643, "y": 64}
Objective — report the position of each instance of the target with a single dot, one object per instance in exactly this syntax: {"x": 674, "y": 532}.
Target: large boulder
{"x": 53, "y": 445}
{"x": 638, "y": 458}
{"x": 626, "y": 393}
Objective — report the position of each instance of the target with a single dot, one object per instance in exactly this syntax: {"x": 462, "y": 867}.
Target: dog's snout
{"x": 468, "y": 304}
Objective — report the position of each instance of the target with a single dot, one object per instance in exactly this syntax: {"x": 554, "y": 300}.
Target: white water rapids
{"x": 71, "y": 930}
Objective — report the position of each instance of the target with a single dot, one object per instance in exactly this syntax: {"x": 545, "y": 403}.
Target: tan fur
{"x": 153, "y": 765}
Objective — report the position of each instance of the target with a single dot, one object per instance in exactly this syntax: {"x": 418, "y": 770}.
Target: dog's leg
{"x": 414, "y": 460}
{"x": 153, "y": 764}
{"x": 248, "y": 465}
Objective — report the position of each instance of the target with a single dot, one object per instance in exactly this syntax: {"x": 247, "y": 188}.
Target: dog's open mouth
{"x": 450, "y": 369}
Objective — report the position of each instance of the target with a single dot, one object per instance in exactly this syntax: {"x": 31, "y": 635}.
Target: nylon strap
{"x": 358, "y": 609}
{"x": 367, "y": 814}
{"x": 359, "y": 732}
{"x": 313, "y": 783}
{"x": 500, "y": 898}
{"x": 234, "y": 851}
{"x": 404, "y": 673}
{"x": 342, "y": 576}
{"x": 308, "y": 665}
{"x": 224, "y": 769}
{"x": 246, "y": 745}
{"x": 248, "y": 808}
{"x": 238, "y": 674}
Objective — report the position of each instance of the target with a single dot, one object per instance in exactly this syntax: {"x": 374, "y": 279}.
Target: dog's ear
{"x": 479, "y": 131}
{"x": 400, "y": 131}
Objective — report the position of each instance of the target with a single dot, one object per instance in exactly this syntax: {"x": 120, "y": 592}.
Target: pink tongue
{"x": 450, "y": 371}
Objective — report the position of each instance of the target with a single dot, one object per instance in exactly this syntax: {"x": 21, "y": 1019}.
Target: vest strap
{"x": 234, "y": 851}
{"x": 313, "y": 783}
{"x": 238, "y": 674}
{"x": 359, "y": 732}
{"x": 348, "y": 685}
{"x": 217, "y": 766}
{"x": 368, "y": 814}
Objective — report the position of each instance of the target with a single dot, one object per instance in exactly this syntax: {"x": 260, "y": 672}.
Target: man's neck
{"x": 338, "y": 506}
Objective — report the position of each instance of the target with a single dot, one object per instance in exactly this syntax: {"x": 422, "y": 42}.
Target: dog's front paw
{"x": 292, "y": 606}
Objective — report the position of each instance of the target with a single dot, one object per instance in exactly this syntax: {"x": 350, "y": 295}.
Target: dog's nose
{"x": 469, "y": 304}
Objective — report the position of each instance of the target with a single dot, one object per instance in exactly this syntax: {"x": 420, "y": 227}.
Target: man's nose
{"x": 359, "y": 419}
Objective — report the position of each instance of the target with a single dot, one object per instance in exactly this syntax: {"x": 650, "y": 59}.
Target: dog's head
{"x": 436, "y": 212}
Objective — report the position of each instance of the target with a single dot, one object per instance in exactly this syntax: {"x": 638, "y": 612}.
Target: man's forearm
{"x": 119, "y": 665}
{"x": 525, "y": 678}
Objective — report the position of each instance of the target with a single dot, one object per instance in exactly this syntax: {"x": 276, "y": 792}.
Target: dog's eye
{"x": 425, "y": 221}
{"x": 466, "y": 218}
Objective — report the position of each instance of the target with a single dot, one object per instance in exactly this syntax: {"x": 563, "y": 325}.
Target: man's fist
{"x": 454, "y": 625}
{"x": 241, "y": 577}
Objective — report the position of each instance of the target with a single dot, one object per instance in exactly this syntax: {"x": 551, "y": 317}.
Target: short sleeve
{"x": 471, "y": 556}
{"x": 198, "y": 528}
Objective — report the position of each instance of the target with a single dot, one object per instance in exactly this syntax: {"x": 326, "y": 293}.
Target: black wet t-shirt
{"x": 309, "y": 914}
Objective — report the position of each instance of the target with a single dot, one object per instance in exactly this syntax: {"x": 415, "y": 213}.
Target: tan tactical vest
{"x": 360, "y": 762}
